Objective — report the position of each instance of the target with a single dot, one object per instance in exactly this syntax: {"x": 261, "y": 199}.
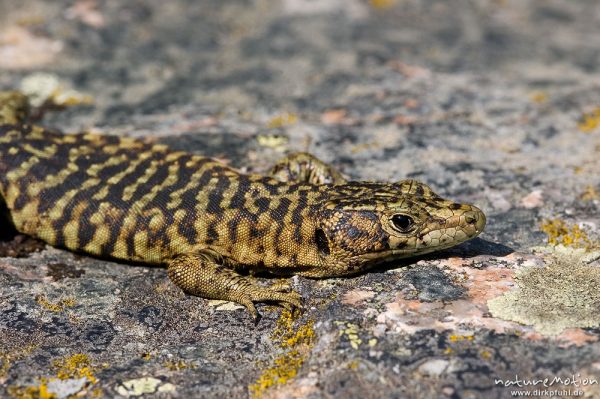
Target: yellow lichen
{"x": 4, "y": 364}
{"x": 6, "y": 358}
{"x": 68, "y": 302}
{"x": 44, "y": 393}
{"x": 74, "y": 366}
{"x": 282, "y": 120}
{"x": 69, "y": 367}
{"x": 25, "y": 392}
{"x": 589, "y": 121}
{"x": 276, "y": 141}
{"x": 285, "y": 368}
{"x": 364, "y": 147}
{"x": 296, "y": 343}
{"x": 350, "y": 331}
{"x": 32, "y": 392}
{"x": 589, "y": 194}
{"x": 539, "y": 97}
{"x": 179, "y": 365}
{"x": 456, "y": 338}
{"x": 560, "y": 233}
{"x": 382, "y": 4}
{"x": 353, "y": 365}
{"x": 55, "y": 307}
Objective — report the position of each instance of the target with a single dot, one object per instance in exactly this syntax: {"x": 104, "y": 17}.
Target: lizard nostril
{"x": 470, "y": 219}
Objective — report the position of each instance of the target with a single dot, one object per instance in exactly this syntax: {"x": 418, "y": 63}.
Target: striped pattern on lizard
{"x": 131, "y": 200}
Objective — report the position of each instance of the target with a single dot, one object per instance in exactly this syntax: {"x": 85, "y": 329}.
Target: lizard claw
{"x": 288, "y": 300}
{"x": 257, "y": 318}
{"x": 247, "y": 302}
{"x": 288, "y": 306}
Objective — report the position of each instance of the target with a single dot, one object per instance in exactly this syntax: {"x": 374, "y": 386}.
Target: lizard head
{"x": 362, "y": 224}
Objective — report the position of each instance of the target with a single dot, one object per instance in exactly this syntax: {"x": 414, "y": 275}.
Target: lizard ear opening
{"x": 322, "y": 242}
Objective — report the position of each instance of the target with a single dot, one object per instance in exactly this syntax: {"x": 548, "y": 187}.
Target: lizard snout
{"x": 475, "y": 218}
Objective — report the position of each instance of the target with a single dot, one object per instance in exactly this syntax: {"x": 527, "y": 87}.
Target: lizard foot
{"x": 303, "y": 167}
{"x": 201, "y": 275}
{"x": 287, "y": 300}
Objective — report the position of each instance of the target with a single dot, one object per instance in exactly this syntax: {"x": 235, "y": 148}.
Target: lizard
{"x": 211, "y": 226}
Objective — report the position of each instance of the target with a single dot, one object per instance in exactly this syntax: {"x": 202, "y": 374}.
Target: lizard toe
{"x": 292, "y": 299}
{"x": 247, "y": 302}
{"x": 281, "y": 286}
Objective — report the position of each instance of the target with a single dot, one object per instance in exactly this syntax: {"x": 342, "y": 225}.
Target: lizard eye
{"x": 402, "y": 223}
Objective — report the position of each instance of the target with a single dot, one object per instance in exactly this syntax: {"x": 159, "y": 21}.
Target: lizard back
{"x": 111, "y": 196}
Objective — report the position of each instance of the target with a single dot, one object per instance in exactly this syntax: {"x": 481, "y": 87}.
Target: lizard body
{"x": 131, "y": 200}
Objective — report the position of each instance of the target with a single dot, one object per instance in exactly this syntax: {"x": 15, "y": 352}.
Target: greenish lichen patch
{"x": 562, "y": 295}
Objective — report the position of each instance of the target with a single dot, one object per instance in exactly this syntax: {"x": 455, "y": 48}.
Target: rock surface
{"x": 495, "y": 103}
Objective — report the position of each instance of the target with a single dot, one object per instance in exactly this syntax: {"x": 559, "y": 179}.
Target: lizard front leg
{"x": 201, "y": 275}
{"x": 303, "y": 167}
